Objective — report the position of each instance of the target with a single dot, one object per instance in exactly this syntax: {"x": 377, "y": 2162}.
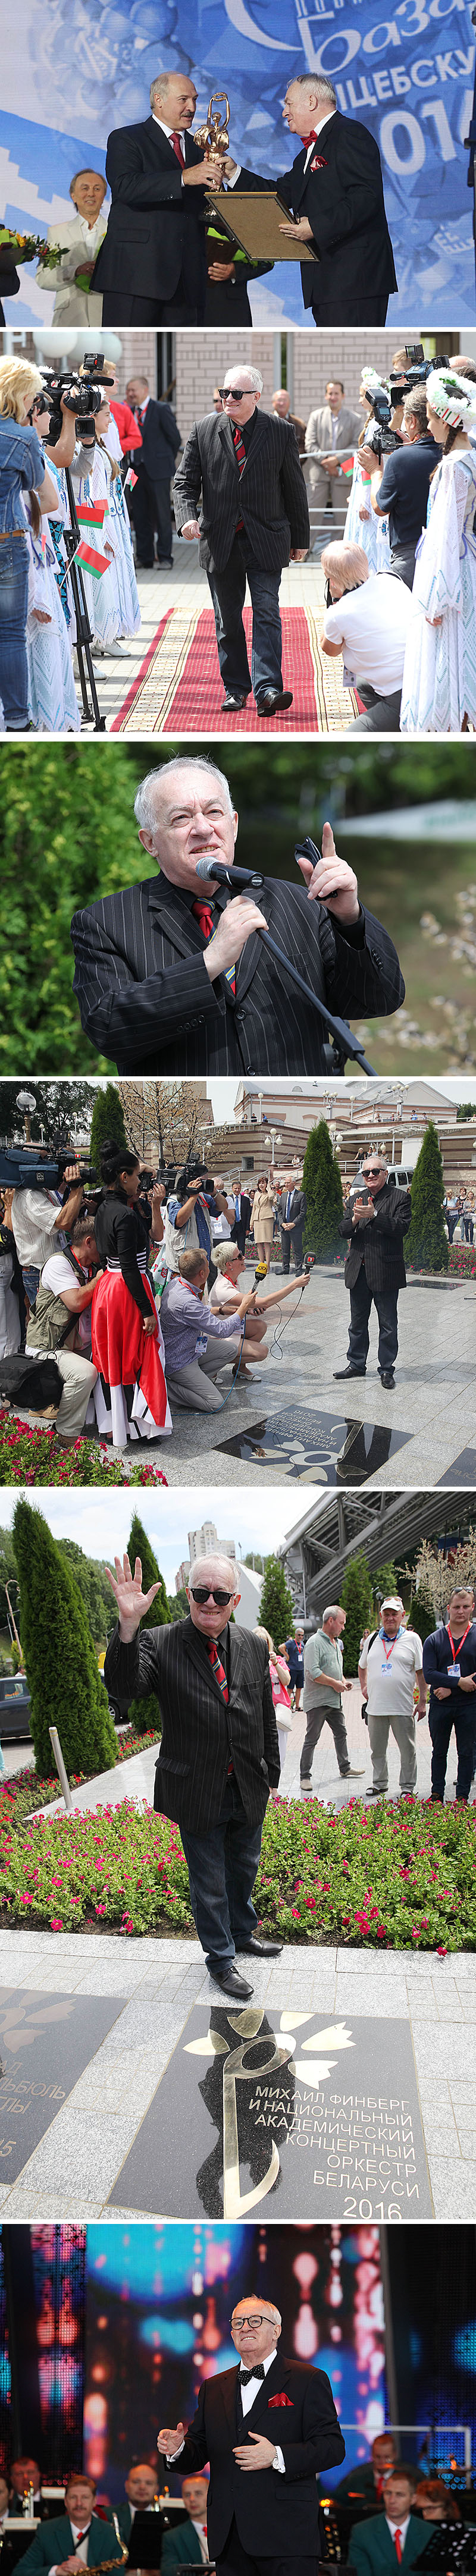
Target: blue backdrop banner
{"x": 407, "y": 70}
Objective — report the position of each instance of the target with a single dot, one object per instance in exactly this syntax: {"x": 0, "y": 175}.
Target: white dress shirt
{"x": 248, "y": 2395}
{"x": 312, "y": 146}
{"x": 80, "y": 2546}
{"x": 402, "y": 2527}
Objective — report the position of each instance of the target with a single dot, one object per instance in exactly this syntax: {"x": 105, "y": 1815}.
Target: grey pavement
{"x": 156, "y": 1983}
{"x": 433, "y": 1404}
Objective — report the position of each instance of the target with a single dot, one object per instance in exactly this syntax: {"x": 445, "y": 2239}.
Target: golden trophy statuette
{"x": 213, "y": 137}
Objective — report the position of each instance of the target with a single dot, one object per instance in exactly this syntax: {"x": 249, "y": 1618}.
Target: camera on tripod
{"x": 81, "y": 391}
{"x": 416, "y": 371}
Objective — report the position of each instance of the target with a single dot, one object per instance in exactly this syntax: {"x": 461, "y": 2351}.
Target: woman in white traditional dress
{"x": 52, "y": 701}
{"x": 439, "y": 678}
{"x": 119, "y": 527}
{"x": 362, "y": 528}
{"x": 91, "y": 475}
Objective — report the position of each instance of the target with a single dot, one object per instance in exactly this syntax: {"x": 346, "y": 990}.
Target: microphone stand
{"x": 344, "y": 1044}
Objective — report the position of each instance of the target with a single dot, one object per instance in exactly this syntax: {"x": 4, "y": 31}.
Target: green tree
{"x": 276, "y": 1609}
{"x": 92, "y": 1582}
{"x": 357, "y": 1601}
{"x": 107, "y": 1120}
{"x": 60, "y": 1661}
{"x": 385, "y": 1580}
{"x": 256, "y": 1562}
{"x": 177, "y": 1605}
{"x": 466, "y": 1109}
{"x": 145, "y": 1713}
{"x": 52, "y": 1121}
{"x": 426, "y": 1244}
{"x": 323, "y": 1187}
{"x": 421, "y": 1615}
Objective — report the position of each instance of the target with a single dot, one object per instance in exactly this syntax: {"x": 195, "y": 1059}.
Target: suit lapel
{"x": 227, "y": 2386}
{"x": 275, "y": 2379}
{"x": 166, "y": 902}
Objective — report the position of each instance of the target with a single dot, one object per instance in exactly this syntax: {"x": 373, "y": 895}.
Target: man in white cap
{"x": 391, "y": 1661}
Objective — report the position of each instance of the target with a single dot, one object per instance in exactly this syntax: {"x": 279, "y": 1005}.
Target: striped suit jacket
{"x": 270, "y": 494}
{"x": 379, "y": 1245}
{"x": 199, "y": 1733}
{"x": 146, "y": 1000}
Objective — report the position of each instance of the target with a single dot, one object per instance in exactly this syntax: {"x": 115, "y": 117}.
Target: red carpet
{"x": 196, "y": 705}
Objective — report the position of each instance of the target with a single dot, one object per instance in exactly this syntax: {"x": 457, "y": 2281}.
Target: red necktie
{"x": 176, "y": 139}
{"x": 220, "y": 1676}
{"x": 206, "y": 923}
{"x": 204, "y": 917}
{"x": 398, "y": 2546}
{"x": 240, "y": 453}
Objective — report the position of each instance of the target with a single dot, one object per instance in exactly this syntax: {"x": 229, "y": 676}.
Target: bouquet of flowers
{"x": 25, "y": 246}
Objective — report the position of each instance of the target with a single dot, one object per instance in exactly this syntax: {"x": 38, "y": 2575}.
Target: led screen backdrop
{"x": 407, "y": 69}
{"x": 158, "y": 2306}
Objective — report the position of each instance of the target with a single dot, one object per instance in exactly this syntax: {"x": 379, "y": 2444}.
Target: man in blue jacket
{"x": 449, "y": 1665}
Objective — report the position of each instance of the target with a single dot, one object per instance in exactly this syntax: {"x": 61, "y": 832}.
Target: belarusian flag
{"x": 91, "y": 513}
{"x": 92, "y": 562}
{"x": 346, "y": 466}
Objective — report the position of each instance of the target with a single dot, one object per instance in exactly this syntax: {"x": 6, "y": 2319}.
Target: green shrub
{"x": 426, "y": 1244}
{"x": 323, "y": 1187}
{"x": 65, "y": 1685}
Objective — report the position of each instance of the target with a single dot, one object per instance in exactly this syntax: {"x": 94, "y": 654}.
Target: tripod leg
{"x": 83, "y": 646}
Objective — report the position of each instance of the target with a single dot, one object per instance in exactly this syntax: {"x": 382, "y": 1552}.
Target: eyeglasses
{"x": 204, "y": 1594}
{"x": 238, "y": 2323}
{"x": 233, "y": 393}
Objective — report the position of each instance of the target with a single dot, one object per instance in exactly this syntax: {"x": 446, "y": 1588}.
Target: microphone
{"x": 227, "y": 876}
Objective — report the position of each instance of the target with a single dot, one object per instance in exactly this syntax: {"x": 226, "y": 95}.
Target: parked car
{"x": 15, "y": 1705}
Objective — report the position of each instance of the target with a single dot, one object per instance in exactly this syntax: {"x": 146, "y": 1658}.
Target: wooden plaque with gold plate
{"x": 253, "y": 220}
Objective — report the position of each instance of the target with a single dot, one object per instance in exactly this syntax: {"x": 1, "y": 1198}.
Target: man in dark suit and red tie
{"x": 335, "y": 192}
{"x": 219, "y": 1755}
{"x": 275, "y": 2421}
{"x": 243, "y": 470}
{"x": 151, "y": 267}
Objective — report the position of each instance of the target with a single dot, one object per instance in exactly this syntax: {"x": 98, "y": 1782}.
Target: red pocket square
{"x": 318, "y": 163}
{"x": 282, "y": 2400}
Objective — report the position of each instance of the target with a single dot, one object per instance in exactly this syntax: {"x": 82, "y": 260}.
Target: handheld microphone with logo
{"x": 228, "y": 876}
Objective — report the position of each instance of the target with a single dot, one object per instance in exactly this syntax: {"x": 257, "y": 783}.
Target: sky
{"x": 100, "y": 1522}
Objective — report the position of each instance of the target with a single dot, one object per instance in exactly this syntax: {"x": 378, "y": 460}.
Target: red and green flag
{"x": 92, "y": 562}
{"x": 347, "y": 465}
{"x": 90, "y": 514}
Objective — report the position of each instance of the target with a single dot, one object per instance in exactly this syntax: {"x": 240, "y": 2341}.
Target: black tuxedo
{"x": 275, "y": 2516}
{"x": 154, "y": 465}
{"x": 146, "y": 1000}
{"x": 249, "y": 522}
{"x": 154, "y": 248}
{"x": 270, "y": 494}
{"x": 240, "y": 1228}
{"x": 344, "y": 204}
{"x": 374, "y": 1271}
{"x": 199, "y": 1734}
{"x": 297, "y": 1217}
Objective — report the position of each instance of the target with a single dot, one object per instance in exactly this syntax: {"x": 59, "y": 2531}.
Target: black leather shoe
{"x": 387, "y": 1377}
{"x": 349, "y": 1372}
{"x": 231, "y": 1984}
{"x": 261, "y": 1949}
{"x": 273, "y": 702}
{"x": 231, "y": 704}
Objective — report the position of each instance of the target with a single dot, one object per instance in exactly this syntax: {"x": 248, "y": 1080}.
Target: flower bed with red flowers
{"x": 26, "y": 1789}
{"x": 462, "y": 1260}
{"x": 40, "y": 1457}
{"x": 391, "y": 1877}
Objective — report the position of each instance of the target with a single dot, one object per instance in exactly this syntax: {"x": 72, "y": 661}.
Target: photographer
{"x": 189, "y": 1361}
{"x": 39, "y": 1220}
{"x": 367, "y": 621}
{"x": 65, "y": 1294}
{"x": 12, "y": 1295}
{"x": 188, "y": 1215}
{"x": 22, "y": 469}
{"x": 400, "y": 484}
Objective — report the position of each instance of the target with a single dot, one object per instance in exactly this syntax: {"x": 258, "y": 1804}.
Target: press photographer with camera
{"x": 40, "y": 1219}
{"x": 188, "y": 1214}
{"x": 193, "y": 1333}
{"x": 400, "y": 484}
{"x": 367, "y": 619}
{"x": 22, "y": 470}
{"x": 59, "y": 1323}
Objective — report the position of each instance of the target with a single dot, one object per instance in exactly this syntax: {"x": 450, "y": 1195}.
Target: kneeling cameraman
{"x": 65, "y": 1294}
{"x": 367, "y": 621}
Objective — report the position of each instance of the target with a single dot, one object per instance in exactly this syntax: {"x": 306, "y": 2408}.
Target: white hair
{"x": 145, "y": 802}
{"x": 254, "y": 377}
{"x": 312, "y": 82}
{"x": 161, "y": 83}
{"x": 215, "y": 1558}
{"x": 348, "y": 559}
{"x": 332, "y": 1611}
{"x": 251, "y": 2297}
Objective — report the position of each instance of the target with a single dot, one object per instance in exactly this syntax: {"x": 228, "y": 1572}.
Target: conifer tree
{"x": 276, "y": 1609}
{"x": 61, "y": 1665}
{"x": 426, "y": 1244}
{"x": 145, "y": 1713}
{"x": 323, "y": 1187}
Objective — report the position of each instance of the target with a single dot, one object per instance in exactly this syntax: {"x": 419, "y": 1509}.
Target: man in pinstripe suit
{"x": 219, "y": 1753}
{"x": 244, "y": 469}
{"x": 163, "y": 988}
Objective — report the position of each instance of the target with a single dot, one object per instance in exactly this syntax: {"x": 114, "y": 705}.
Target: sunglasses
{"x": 233, "y": 393}
{"x": 203, "y": 1594}
{"x": 372, "y": 1173}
